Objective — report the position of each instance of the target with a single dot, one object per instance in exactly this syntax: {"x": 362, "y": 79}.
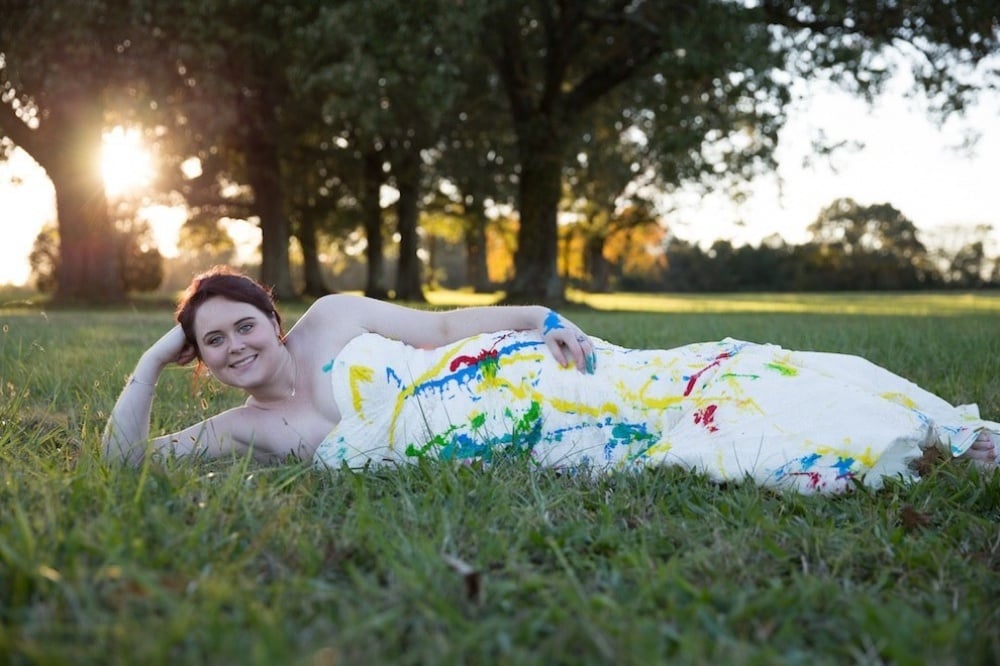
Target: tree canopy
{"x": 295, "y": 108}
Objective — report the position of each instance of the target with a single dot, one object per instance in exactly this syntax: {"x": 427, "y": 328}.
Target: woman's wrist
{"x": 146, "y": 372}
{"x": 132, "y": 379}
{"x": 551, "y": 321}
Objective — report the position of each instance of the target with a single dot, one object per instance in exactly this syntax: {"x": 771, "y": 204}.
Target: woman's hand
{"x": 568, "y": 342}
{"x": 173, "y": 347}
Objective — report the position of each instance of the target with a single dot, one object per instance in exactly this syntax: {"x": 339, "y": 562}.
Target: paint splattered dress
{"x": 811, "y": 421}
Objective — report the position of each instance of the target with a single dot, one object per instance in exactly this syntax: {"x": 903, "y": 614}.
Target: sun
{"x": 126, "y": 164}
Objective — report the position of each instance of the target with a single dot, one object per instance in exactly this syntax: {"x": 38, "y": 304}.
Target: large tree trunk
{"x": 408, "y": 274}
{"x": 264, "y": 176}
{"x": 536, "y": 278}
{"x": 371, "y": 213}
{"x": 476, "y": 273}
{"x": 89, "y": 270}
{"x": 315, "y": 285}
{"x": 598, "y": 267}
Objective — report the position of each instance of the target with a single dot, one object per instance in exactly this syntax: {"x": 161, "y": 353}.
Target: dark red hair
{"x": 228, "y": 283}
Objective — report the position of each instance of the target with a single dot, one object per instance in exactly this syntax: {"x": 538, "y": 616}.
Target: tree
{"x": 608, "y": 184}
{"x": 637, "y": 253}
{"x": 140, "y": 259}
{"x": 880, "y": 247}
{"x": 44, "y": 259}
{"x": 969, "y": 266}
{"x": 475, "y": 164}
{"x": 390, "y": 72}
{"x": 140, "y": 262}
{"x": 556, "y": 60}
{"x": 237, "y": 110}
{"x": 66, "y": 73}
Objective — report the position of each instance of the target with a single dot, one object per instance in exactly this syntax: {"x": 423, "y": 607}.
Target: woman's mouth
{"x": 243, "y": 362}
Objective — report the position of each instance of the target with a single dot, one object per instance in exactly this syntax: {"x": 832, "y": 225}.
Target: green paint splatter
{"x": 786, "y": 370}
{"x": 489, "y": 366}
{"x": 734, "y": 375}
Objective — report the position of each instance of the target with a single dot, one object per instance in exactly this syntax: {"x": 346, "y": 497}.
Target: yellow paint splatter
{"x": 648, "y": 402}
{"x": 900, "y": 399}
{"x": 356, "y": 375}
{"x": 568, "y": 406}
{"x": 866, "y": 457}
{"x": 659, "y": 448}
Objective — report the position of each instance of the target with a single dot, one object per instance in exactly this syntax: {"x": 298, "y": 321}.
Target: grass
{"x": 229, "y": 562}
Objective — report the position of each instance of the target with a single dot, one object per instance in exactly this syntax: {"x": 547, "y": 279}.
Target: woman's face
{"x": 239, "y": 344}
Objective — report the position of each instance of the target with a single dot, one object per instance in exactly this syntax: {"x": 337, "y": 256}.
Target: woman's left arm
{"x": 567, "y": 341}
{"x": 427, "y": 328}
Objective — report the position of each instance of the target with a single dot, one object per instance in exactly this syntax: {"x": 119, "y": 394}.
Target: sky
{"x": 906, "y": 161}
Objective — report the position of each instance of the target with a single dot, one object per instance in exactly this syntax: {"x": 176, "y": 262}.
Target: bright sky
{"x": 907, "y": 162}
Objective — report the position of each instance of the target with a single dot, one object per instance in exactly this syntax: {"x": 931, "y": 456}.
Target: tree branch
{"x": 510, "y": 63}
{"x": 23, "y": 136}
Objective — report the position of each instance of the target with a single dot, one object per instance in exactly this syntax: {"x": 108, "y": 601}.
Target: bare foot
{"x": 983, "y": 451}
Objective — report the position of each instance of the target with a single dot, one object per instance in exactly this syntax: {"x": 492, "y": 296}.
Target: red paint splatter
{"x": 706, "y": 417}
{"x": 815, "y": 479}
{"x": 694, "y": 378}
{"x": 459, "y": 361}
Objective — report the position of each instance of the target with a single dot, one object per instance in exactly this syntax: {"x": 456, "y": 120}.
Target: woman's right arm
{"x": 127, "y": 432}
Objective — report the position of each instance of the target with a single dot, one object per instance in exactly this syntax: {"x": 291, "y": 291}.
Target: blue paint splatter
{"x": 809, "y": 461}
{"x": 552, "y": 322}
{"x": 464, "y": 376}
{"x": 843, "y": 467}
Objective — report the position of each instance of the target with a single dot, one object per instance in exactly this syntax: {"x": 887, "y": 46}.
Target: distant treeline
{"x": 811, "y": 267}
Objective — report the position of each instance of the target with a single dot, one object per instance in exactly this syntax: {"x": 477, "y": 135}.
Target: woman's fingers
{"x": 563, "y": 337}
{"x": 588, "y": 356}
{"x": 569, "y": 346}
{"x": 186, "y": 355}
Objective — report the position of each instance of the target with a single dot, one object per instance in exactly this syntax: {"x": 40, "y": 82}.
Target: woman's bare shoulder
{"x": 337, "y": 304}
{"x": 329, "y": 324}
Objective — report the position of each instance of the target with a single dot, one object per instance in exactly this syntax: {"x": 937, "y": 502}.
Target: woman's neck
{"x": 281, "y": 389}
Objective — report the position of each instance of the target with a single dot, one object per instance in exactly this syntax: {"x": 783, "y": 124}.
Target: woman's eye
{"x": 215, "y": 340}
{"x": 246, "y": 328}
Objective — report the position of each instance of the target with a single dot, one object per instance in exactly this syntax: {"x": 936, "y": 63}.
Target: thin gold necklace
{"x": 295, "y": 374}
{"x": 295, "y": 380}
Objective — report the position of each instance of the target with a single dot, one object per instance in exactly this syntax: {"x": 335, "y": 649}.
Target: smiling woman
{"x": 126, "y": 163}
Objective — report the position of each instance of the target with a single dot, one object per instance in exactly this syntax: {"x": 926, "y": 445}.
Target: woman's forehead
{"x": 218, "y": 313}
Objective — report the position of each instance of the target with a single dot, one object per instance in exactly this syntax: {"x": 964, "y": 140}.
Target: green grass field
{"x": 228, "y": 562}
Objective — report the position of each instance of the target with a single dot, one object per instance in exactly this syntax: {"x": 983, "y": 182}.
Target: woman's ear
{"x": 277, "y": 327}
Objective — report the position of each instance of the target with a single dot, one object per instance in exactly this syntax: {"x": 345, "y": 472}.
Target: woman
{"x": 359, "y": 381}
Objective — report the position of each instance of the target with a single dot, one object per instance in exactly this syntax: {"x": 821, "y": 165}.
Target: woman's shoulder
{"x": 327, "y": 326}
{"x": 330, "y": 313}
{"x": 332, "y": 304}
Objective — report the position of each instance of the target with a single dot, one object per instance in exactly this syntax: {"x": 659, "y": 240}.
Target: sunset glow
{"x": 126, "y": 163}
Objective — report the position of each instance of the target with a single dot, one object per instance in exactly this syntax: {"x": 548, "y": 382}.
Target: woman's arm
{"x": 427, "y": 328}
{"x": 126, "y": 434}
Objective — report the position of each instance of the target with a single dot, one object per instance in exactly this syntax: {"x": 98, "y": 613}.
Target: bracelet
{"x": 133, "y": 380}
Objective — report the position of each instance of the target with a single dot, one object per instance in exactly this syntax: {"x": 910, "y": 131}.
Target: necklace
{"x": 295, "y": 374}
{"x": 295, "y": 380}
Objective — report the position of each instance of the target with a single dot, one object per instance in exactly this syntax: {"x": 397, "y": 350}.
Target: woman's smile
{"x": 243, "y": 362}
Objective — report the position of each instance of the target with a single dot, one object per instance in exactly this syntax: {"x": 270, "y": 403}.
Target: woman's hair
{"x": 225, "y": 282}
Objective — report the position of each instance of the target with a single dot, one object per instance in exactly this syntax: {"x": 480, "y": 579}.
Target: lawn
{"x": 229, "y": 562}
